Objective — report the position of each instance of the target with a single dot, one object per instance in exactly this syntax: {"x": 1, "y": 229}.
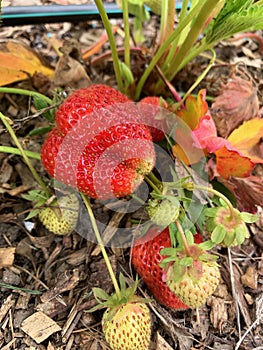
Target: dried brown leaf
{"x": 237, "y": 102}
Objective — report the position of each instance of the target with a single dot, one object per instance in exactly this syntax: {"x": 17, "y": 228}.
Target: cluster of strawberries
{"x": 103, "y": 146}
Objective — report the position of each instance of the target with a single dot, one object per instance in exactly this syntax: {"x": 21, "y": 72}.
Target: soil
{"x": 47, "y": 279}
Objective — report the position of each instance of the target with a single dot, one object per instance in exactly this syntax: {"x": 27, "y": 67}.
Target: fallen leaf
{"x": 237, "y": 103}
{"x": 247, "y": 137}
{"x": 195, "y": 108}
{"x": 39, "y": 327}
{"x": 248, "y": 192}
{"x": 7, "y": 256}
{"x": 18, "y": 62}
{"x": 230, "y": 162}
{"x": 250, "y": 278}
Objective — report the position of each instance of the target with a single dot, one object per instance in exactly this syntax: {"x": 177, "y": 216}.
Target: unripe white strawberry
{"x": 127, "y": 326}
{"x": 61, "y": 217}
{"x": 198, "y": 282}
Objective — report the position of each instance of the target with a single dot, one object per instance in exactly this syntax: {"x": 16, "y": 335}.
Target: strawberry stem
{"x": 181, "y": 231}
{"x": 101, "y": 245}
{"x": 24, "y": 155}
{"x": 218, "y": 194}
{"x": 25, "y": 92}
{"x": 108, "y": 28}
{"x": 14, "y": 150}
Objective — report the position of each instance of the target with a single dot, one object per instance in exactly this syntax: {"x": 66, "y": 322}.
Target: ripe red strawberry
{"x": 155, "y": 110}
{"x": 85, "y": 101}
{"x": 104, "y": 154}
{"x": 146, "y": 257}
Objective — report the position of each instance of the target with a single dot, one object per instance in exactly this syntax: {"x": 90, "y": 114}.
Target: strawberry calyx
{"x": 228, "y": 227}
{"x": 116, "y": 300}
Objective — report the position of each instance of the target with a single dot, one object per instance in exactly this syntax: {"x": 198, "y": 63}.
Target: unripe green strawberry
{"x": 127, "y": 326}
{"x": 163, "y": 212}
{"x": 197, "y": 283}
{"x": 193, "y": 275}
{"x": 61, "y": 217}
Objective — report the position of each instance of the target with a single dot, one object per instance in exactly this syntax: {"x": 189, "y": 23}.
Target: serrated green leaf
{"x": 218, "y": 234}
{"x": 248, "y": 218}
{"x": 237, "y": 16}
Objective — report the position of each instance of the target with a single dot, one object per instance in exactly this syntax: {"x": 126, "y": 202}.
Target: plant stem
{"x": 218, "y": 194}
{"x": 107, "y": 26}
{"x": 181, "y": 231}
{"x": 23, "y": 154}
{"x": 26, "y": 92}
{"x": 198, "y": 25}
{"x": 200, "y": 78}
{"x": 13, "y": 150}
{"x": 164, "y": 47}
{"x": 101, "y": 245}
{"x": 154, "y": 182}
{"x": 126, "y": 33}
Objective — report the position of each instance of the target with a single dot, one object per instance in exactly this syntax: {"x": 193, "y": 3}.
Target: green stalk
{"x": 13, "y": 150}
{"x": 127, "y": 50}
{"x": 200, "y": 78}
{"x": 175, "y": 43}
{"x": 216, "y": 193}
{"x": 164, "y": 47}
{"x": 194, "y": 32}
{"x": 107, "y": 26}
{"x": 101, "y": 245}
{"x": 26, "y": 93}
{"x": 23, "y": 154}
{"x": 167, "y": 20}
{"x": 185, "y": 243}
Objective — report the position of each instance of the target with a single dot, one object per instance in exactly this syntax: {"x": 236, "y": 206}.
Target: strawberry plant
{"x": 105, "y": 143}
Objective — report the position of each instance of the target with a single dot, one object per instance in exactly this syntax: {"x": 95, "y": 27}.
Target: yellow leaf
{"x": 246, "y": 137}
{"x": 17, "y": 62}
{"x": 195, "y": 109}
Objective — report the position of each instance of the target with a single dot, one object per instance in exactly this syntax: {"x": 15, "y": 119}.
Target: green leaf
{"x": 42, "y": 104}
{"x": 229, "y": 238}
{"x": 187, "y": 261}
{"x": 168, "y": 251}
{"x": 207, "y": 245}
{"x": 40, "y": 131}
{"x": 126, "y": 74}
{"x": 218, "y": 234}
{"x": 248, "y": 218}
{"x": 235, "y": 17}
{"x": 32, "y": 214}
{"x": 210, "y": 212}
{"x": 100, "y": 294}
{"x": 189, "y": 237}
{"x": 241, "y": 234}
